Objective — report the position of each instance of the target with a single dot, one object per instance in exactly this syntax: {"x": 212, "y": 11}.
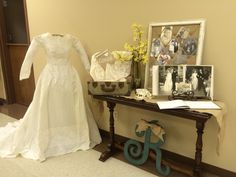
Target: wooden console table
{"x": 199, "y": 117}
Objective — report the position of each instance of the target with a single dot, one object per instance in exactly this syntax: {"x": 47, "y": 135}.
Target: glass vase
{"x": 136, "y": 75}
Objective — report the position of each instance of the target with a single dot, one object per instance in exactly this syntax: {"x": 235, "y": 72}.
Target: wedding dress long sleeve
{"x": 58, "y": 120}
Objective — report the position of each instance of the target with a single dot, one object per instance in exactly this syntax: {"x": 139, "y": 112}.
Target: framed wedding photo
{"x": 183, "y": 78}
{"x": 174, "y": 43}
{"x": 166, "y": 78}
{"x": 201, "y": 79}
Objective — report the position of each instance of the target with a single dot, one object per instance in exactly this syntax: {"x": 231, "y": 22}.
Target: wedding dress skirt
{"x": 194, "y": 81}
{"x": 58, "y": 121}
{"x": 168, "y": 83}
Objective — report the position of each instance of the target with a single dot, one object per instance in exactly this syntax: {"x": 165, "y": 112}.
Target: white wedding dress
{"x": 194, "y": 81}
{"x": 58, "y": 121}
{"x": 168, "y": 82}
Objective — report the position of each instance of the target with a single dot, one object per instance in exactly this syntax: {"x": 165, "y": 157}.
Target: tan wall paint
{"x": 106, "y": 24}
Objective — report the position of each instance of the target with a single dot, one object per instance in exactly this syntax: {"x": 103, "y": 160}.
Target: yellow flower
{"x": 122, "y": 55}
{"x": 137, "y": 50}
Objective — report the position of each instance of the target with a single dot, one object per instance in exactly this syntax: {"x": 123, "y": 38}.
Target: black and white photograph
{"x": 183, "y": 78}
{"x": 166, "y": 78}
{"x": 201, "y": 80}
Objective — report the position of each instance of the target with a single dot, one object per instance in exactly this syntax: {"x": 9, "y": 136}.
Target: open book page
{"x": 181, "y": 104}
{"x": 202, "y": 105}
{"x": 173, "y": 104}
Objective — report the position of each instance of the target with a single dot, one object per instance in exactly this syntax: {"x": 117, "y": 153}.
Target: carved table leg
{"x": 198, "y": 154}
{"x": 111, "y": 146}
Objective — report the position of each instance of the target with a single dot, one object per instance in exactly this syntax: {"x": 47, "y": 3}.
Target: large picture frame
{"x": 182, "y": 78}
{"x": 174, "y": 43}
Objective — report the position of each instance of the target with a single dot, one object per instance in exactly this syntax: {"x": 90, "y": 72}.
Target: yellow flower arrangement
{"x": 139, "y": 48}
{"x": 136, "y": 51}
{"x": 122, "y": 55}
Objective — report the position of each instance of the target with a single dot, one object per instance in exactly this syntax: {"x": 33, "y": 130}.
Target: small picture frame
{"x": 174, "y": 43}
{"x": 183, "y": 78}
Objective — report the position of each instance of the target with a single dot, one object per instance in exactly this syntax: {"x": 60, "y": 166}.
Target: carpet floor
{"x": 77, "y": 164}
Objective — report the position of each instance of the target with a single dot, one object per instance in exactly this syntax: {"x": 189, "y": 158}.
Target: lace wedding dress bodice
{"x": 57, "y": 49}
{"x": 58, "y": 120}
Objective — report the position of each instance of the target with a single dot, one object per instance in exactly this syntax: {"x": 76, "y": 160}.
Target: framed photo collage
{"x": 175, "y": 57}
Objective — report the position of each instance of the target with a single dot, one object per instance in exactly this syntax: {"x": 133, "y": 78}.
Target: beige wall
{"x": 106, "y": 24}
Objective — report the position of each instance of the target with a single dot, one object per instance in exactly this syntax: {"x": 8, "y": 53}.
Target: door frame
{"x": 4, "y": 56}
{"x": 6, "y": 69}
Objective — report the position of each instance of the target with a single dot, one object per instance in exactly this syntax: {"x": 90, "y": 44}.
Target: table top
{"x": 142, "y": 104}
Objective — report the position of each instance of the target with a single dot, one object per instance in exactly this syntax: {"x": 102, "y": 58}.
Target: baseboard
{"x": 181, "y": 159}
